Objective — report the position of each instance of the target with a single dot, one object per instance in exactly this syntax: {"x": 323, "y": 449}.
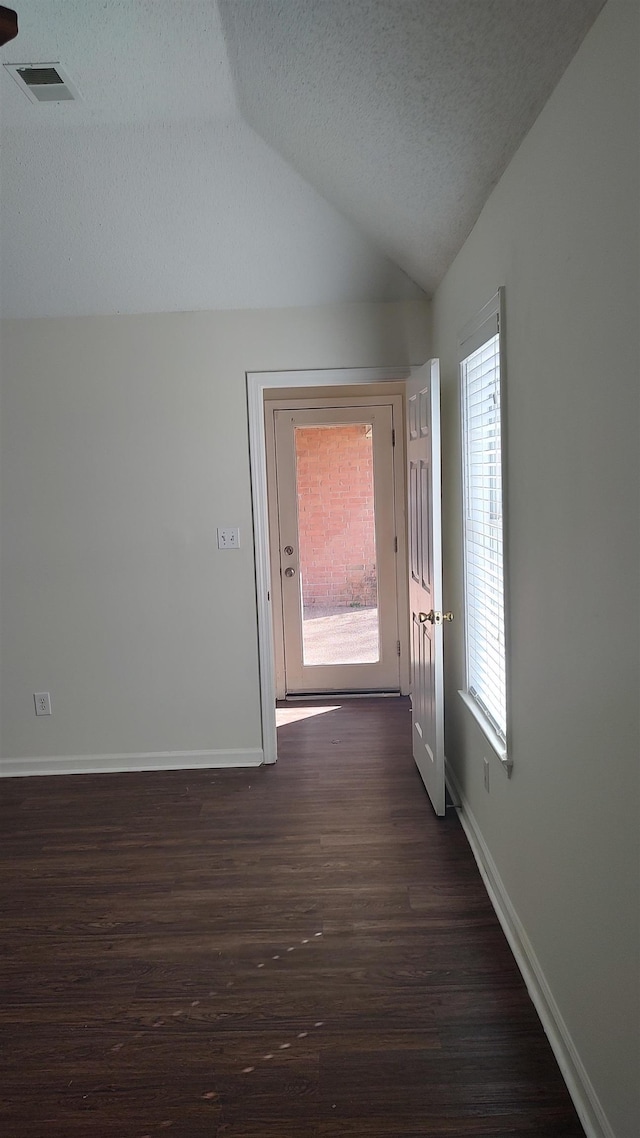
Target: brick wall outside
{"x": 335, "y": 516}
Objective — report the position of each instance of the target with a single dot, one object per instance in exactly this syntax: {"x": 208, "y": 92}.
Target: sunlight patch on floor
{"x": 295, "y": 714}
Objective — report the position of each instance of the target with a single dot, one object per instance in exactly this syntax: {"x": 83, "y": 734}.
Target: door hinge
{"x": 393, "y": 436}
{"x": 398, "y": 646}
{"x": 395, "y": 545}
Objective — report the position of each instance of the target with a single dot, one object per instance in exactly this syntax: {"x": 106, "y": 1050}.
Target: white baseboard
{"x": 151, "y": 761}
{"x": 585, "y": 1099}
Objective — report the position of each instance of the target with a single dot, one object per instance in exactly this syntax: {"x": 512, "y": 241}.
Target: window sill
{"x": 494, "y": 741}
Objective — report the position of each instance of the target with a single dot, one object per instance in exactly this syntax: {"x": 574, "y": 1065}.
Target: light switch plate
{"x": 228, "y": 537}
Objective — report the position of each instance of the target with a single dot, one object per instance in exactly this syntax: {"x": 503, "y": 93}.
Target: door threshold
{"x": 292, "y": 698}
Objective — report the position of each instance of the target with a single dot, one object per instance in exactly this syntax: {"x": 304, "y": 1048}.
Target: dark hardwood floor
{"x": 301, "y": 951}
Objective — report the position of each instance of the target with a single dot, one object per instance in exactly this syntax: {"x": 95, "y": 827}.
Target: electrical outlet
{"x": 228, "y": 538}
{"x": 486, "y": 774}
{"x": 42, "y": 700}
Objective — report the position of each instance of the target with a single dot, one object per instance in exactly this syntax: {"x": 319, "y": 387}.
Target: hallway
{"x": 301, "y": 951}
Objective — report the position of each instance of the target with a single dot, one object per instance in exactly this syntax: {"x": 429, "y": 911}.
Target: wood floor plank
{"x": 302, "y": 951}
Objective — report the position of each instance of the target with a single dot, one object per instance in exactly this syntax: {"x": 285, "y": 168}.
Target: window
{"x": 481, "y": 405}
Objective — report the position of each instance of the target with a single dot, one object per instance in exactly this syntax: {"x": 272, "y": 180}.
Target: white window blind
{"x": 483, "y": 532}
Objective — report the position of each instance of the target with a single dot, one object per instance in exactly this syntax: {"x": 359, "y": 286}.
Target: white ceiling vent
{"x": 43, "y": 82}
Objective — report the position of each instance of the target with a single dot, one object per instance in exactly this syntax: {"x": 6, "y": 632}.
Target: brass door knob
{"x": 435, "y": 617}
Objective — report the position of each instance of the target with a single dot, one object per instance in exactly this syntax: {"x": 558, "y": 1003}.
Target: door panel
{"x": 425, "y": 578}
{"x": 337, "y": 559}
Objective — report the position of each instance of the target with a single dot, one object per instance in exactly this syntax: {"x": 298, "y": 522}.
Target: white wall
{"x": 560, "y": 231}
{"x": 124, "y": 444}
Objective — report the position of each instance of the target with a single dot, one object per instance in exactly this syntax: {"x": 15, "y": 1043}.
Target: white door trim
{"x": 257, "y": 383}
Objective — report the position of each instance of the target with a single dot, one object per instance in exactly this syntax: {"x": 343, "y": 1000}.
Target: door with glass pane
{"x": 337, "y": 548}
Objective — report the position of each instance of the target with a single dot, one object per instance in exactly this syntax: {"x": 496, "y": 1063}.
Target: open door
{"x": 425, "y": 578}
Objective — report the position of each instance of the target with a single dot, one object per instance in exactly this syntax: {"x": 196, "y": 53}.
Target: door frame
{"x": 257, "y": 383}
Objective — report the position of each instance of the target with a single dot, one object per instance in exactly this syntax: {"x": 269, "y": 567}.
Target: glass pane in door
{"x": 337, "y": 544}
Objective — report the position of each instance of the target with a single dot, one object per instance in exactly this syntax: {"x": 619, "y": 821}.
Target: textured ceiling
{"x": 404, "y": 114}
{"x": 161, "y": 218}
{"x": 132, "y": 61}
{"x": 259, "y": 153}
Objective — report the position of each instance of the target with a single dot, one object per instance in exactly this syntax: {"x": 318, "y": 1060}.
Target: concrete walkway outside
{"x": 340, "y": 635}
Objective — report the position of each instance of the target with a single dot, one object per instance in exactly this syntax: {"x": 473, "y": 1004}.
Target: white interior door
{"x": 425, "y": 578}
{"x": 337, "y": 548}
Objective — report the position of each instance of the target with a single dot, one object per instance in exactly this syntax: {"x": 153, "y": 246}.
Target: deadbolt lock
{"x": 288, "y": 550}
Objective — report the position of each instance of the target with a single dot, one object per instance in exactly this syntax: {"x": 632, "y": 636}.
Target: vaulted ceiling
{"x": 262, "y": 153}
